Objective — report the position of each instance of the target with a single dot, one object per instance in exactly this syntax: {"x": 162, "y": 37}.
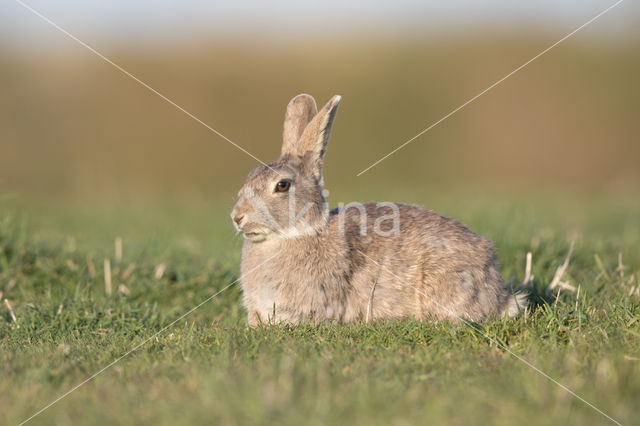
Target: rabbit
{"x": 302, "y": 262}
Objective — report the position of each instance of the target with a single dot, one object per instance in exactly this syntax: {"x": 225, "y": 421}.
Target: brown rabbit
{"x": 302, "y": 262}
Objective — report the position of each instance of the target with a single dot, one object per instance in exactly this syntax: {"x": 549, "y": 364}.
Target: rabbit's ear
{"x": 312, "y": 144}
{"x": 300, "y": 112}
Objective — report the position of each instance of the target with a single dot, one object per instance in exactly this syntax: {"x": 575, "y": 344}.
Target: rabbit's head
{"x": 284, "y": 198}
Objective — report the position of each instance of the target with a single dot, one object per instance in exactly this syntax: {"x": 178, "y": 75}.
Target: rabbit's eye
{"x": 283, "y": 186}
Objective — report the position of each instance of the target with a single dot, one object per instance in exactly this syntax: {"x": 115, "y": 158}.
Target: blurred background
{"x": 76, "y": 131}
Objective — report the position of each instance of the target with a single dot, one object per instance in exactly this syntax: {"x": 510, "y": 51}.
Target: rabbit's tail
{"x": 516, "y": 303}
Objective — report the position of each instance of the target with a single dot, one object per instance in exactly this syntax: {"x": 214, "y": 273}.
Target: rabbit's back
{"x": 429, "y": 266}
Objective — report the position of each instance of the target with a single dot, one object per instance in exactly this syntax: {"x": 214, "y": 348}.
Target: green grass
{"x": 210, "y": 368}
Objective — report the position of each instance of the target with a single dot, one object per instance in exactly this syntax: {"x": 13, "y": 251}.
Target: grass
{"x": 210, "y": 368}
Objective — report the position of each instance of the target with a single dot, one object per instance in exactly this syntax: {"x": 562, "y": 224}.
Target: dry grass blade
{"x": 72, "y": 265}
{"x": 620, "y": 268}
{"x": 10, "y": 308}
{"x": 107, "y": 277}
{"x": 160, "y": 270}
{"x": 92, "y": 268}
{"x": 557, "y": 282}
{"x": 128, "y": 272}
{"x": 118, "y": 249}
{"x": 11, "y": 284}
{"x": 528, "y": 278}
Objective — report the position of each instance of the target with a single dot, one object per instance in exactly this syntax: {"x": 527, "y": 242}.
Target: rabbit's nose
{"x": 237, "y": 219}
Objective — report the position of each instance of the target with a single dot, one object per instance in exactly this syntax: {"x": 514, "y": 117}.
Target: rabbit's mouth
{"x": 255, "y": 235}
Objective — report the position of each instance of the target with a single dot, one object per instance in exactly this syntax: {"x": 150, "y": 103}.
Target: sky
{"x": 143, "y": 21}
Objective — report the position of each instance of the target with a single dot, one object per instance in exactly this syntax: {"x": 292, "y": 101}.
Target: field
{"x": 208, "y": 367}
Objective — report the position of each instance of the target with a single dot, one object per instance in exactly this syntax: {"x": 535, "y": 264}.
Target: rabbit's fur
{"x": 302, "y": 262}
